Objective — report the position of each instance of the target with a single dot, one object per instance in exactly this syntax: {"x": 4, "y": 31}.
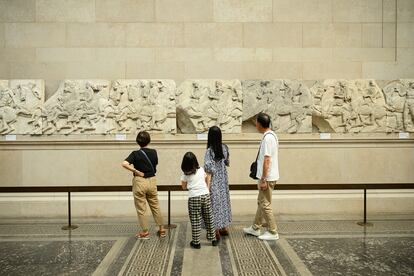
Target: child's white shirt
{"x": 196, "y": 183}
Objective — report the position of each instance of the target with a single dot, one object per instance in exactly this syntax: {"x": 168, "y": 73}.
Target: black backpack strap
{"x": 149, "y": 161}
{"x": 257, "y": 156}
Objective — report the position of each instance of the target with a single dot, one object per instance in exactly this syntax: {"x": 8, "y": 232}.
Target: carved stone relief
{"x": 288, "y": 102}
{"x": 126, "y": 106}
{"x": 399, "y": 97}
{"x": 76, "y": 108}
{"x": 349, "y": 106}
{"x": 21, "y": 104}
{"x": 205, "y": 103}
{"x": 136, "y": 105}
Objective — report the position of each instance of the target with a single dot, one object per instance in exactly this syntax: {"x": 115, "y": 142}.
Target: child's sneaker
{"x": 251, "y": 231}
{"x": 214, "y": 243}
{"x": 143, "y": 235}
{"x": 269, "y": 236}
{"x": 195, "y": 245}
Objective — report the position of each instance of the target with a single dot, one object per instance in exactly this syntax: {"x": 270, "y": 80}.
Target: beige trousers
{"x": 264, "y": 209}
{"x": 145, "y": 190}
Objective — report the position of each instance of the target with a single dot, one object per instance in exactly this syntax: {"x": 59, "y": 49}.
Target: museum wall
{"x": 304, "y": 159}
{"x": 223, "y": 39}
{"x": 312, "y": 40}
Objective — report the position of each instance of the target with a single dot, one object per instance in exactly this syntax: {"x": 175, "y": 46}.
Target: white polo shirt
{"x": 269, "y": 147}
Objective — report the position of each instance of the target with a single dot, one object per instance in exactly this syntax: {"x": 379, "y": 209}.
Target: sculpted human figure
{"x": 125, "y": 109}
{"x": 159, "y": 113}
{"x": 409, "y": 108}
{"x": 8, "y": 113}
{"x": 195, "y": 92}
{"x": 237, "y": 94}
{"x": 145, "y": 90}
{"x": 52, "y": 116}
{"x": 317, "y": 99}
{"x": 217, "y": 91}
{"x": 395, "y": 98}
{"x": 339, "y": 109}
{"x": 36, "y": 120}
{"x": 300, "y": 108}
{"x": 262, "y": 89}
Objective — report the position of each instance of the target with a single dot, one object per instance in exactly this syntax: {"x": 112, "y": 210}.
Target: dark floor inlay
{"x": 284, "y": 260}
{"x": 177, "y": 266}
{"x": 52, "y": 257}
{"x": 356, "y": 256}
{"x": 225, "y": 258}
{"x": 251, "y": 255}
{"x": 151, "y": 257}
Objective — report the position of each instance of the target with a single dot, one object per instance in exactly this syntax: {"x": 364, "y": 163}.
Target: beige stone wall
{"x": 304, "y": 158}
{"x": 225, "y": 39}
{"x": 181, "y": 39}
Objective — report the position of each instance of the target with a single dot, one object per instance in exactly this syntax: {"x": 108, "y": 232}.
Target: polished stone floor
{"x": 304, "y": 248}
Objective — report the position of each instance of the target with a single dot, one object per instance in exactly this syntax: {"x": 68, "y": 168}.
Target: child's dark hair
{"x": 143, "y": 138}
{"x": 189, "y": 164}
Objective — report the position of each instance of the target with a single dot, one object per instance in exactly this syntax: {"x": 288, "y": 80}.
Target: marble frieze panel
{"x": 136, "y": 105}
{"x": 362, "y": 106}
{"x": 399, "y": 98}
{"x": 101, "y": 107}
{"x": 157, "y": 105}
{"x": 205, "y": 103}
{"x": 78, "y": 106}
{"x": 288, "y": 102}
{"x": 21, "y": 103}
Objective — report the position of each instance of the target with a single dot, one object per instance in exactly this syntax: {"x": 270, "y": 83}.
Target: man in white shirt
{"x": 268, "y": 175}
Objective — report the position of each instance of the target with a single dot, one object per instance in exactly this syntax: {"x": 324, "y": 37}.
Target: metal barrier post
{"x": 69, "y": 226}
{"x": 365, "y": 223}
{"x": 169, "y": 225}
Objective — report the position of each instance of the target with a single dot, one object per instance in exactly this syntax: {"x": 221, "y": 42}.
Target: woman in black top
{"x": 142, "y": 163}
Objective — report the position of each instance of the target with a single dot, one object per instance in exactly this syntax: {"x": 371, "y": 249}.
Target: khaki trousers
{"x": 145, "y": 190}
{"x": 264, "y": 209}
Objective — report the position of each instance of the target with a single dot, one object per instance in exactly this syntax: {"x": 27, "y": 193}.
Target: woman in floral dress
{"x": 216, "y": 161}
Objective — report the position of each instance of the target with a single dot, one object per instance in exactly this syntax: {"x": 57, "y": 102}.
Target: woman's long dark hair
{"x": 189, "y": 165}
{"x": 214, "y": 142}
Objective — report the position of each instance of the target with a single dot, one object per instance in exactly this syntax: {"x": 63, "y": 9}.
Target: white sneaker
{"x": 251, "y": 231}
{"x": 269, "y": 236}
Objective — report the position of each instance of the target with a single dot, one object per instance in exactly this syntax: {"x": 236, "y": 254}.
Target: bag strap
{"x": 257, "y": 156}
{"x": 149, "y": 161}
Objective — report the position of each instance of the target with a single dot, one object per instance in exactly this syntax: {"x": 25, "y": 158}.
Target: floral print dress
{"x": 219, "y": 189}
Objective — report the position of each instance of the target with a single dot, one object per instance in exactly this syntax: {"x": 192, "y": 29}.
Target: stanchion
{"x": 69, "y": 226}
{"x": 169, "y": 225}
{"x": 365, "y": 223}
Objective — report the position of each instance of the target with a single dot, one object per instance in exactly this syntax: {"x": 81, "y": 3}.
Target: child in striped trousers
{"x": 199, "y": 204}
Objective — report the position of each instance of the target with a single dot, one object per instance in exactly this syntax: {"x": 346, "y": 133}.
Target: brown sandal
{"x": 143, "y": 235}
{"x": 162, "y": 233}
{"x": 218, "y": 235}
{"x": 224, "y": 232}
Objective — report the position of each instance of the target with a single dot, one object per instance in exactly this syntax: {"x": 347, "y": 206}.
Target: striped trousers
{"x": 200, "y": 207}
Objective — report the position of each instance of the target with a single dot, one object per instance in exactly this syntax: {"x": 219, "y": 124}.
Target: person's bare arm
{"x": 266, "y": 165}
{"x": 184, "y": 185}
{"x": 131, "y": 168}
{"x": 208, "y": 180}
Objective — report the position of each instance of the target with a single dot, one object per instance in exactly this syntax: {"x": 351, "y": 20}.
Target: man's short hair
{"x": 143, "y": 138}
{"x": 263, "y": 119}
